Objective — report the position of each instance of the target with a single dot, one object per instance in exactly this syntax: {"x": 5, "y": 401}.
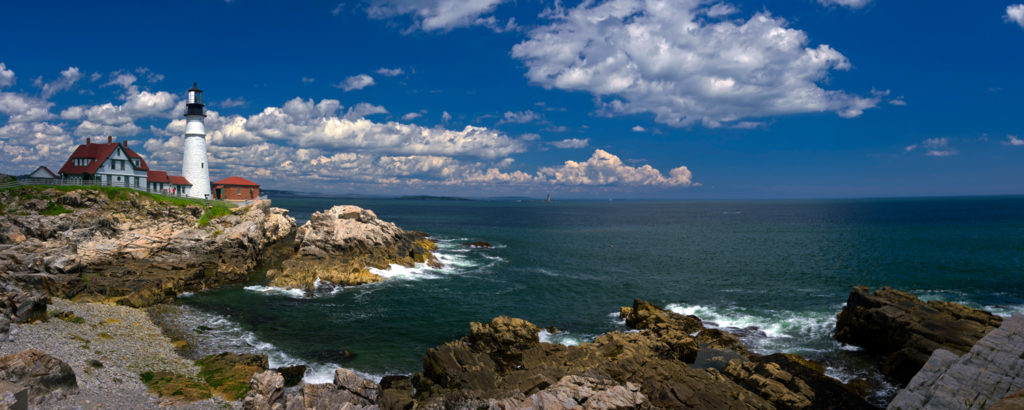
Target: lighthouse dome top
{"x": 195, "y": 88}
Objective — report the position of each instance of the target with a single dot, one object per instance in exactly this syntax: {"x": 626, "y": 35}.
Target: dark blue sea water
{"x": 781, "y": 270}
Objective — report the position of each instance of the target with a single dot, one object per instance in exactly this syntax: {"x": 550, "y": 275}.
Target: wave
{"x": 209, "y": 333}
{"x": 769, "y": 331}
{"x": 563, "y": 337}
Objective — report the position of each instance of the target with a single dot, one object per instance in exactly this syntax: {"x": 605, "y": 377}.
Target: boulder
{"x": 502, "y": 364}
{"x": 574, "y": 392}
{"x": 990, "y": 372}
{"x": 23, "y": 307}
{"x": 337, "y": 246}
{"x": 396, "y": 392}
{"x": 266, "y": 392}
{"x": 46, "y": 377}
{"x": 905, "y": 330}
{"x": 478, "y": 244}
{"x": 292, "y": 374}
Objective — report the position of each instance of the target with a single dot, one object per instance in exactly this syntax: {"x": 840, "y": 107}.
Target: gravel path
{"x": 124, "y": 342}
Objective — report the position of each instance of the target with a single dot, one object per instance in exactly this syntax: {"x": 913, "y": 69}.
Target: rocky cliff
{"x": 670, "y": 361}
{"x": 985, "y": 376}
{"x": 337, "y": 246}
{"x": 905, "y": 330}
{"x": 128, "y": 247}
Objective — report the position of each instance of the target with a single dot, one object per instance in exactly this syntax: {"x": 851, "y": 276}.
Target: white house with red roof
{"x": 114, "y": 164}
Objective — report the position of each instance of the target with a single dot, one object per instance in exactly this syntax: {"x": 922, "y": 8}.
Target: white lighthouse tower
{"x": 194, "y": 165}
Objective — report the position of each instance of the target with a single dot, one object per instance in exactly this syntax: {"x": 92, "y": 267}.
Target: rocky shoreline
{"x": 127, "y": 250}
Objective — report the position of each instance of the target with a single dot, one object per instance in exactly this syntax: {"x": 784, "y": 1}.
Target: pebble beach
{"x": 108, "y": 348}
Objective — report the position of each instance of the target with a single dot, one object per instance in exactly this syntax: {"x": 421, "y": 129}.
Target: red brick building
{"x": 236, "y": 189}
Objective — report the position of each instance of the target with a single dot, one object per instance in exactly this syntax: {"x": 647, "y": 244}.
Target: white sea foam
{"x": 222, "y": 334}
{"x": 185, "y": 295}
{"x": 765, "y": 332}
{"x": 563, "y": 338}
{"x": 273, "y": 290}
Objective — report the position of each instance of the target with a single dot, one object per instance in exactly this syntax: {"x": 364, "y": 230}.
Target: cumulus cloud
{"x": 1014, "y": 141}
{"x": 21, "y": 108}
{"x": 604, "y": 168}
{"x": 853, "y": 4}
{"x": 356, "y": 82}
{"x": 519, "y": 117}
{"x": 411, "y": 116}
{"x": 25, "y": 145}
{"x": 6, "y": 76}
{"x": 671, "y": 59}
{"x": 67, "y": 79}
{"x": 122, "y": 79}
{"x": 390, "y": 72}
{"x": 436, "y": 15}
{"x": 569, "y": 143}
{"x": 1015, "y": 14}
{"x": 233, "y": 102}
{"x": 637, "y": 128}
{"x": 934, "y": 147}
{"x": 445, "y": 116}
{"x": 363, "y": 109}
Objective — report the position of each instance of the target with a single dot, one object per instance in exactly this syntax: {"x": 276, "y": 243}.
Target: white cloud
{"x": 122, "y": 79}
{"x": 436, "y": 15}
{"x": 519, "y": 117}
{"x": 570, "y": 143}
{"x": 935, "y": 147}
{"x": 637, "y": 128}
{"x": 664, "y": 57}
{"x": 1015, "y": 14}
{"x": 151, "y": 77}
{"x": 21, "y": 108}
{"x": 853, "y": 4}
{"x": 604, "y": 168}
{"x": 899, "y": 101}
{"x": 356, "y": 82}
{"x": 1014, "y": 141}
{"x": 390, "y": 72}
{"x": 67, "y": 79}
{"x": 6, "y": 76}
{"x": 363, "y": 109}
{"x": 721, "y": 9}
{"x": 411, "y": 116}
{"x": 445, "y": 116}
{"x": 337, "y": 9}
{"x": 232, "y": 102}
{"x": 26, "y": 145}
{"x": 308, "y": 79}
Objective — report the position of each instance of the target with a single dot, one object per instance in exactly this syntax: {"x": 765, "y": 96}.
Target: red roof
{"x": 176, "y": 180}
{"x": 157, "y": 176}
{"x": 98, "y": 153}
{"x": 236, "y": 181}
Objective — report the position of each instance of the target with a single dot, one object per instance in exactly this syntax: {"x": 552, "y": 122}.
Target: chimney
{"x": 110, "y": 138}
{"x": 88, "y": 141}
{"x": 125, "y": 143}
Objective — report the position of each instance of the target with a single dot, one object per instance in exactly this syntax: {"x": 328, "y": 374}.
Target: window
{"x": 239, "y": 193}
{"x": 202, "y": 165}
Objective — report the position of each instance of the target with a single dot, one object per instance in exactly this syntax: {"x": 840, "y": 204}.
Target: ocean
{"x": 775, "y": 271}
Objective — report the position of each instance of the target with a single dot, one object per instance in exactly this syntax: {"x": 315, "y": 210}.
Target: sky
{"x": 481, "y": 98}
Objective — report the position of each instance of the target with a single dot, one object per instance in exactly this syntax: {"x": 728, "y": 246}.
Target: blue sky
{"x": 613, "y": 98}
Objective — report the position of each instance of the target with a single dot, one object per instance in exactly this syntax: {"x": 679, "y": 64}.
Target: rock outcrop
{"x": 337, "y": 246}
{"x": 905, "y": 330}
{"x": 266, "y": 392}
{"x": 992, "y": 370}
{"x": 129, "y": 247}
{"x": 673, "y": 361}
{"x": 46, "y": 377}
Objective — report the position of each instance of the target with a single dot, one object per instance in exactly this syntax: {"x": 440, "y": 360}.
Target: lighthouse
{"x": 194, "y": 165}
